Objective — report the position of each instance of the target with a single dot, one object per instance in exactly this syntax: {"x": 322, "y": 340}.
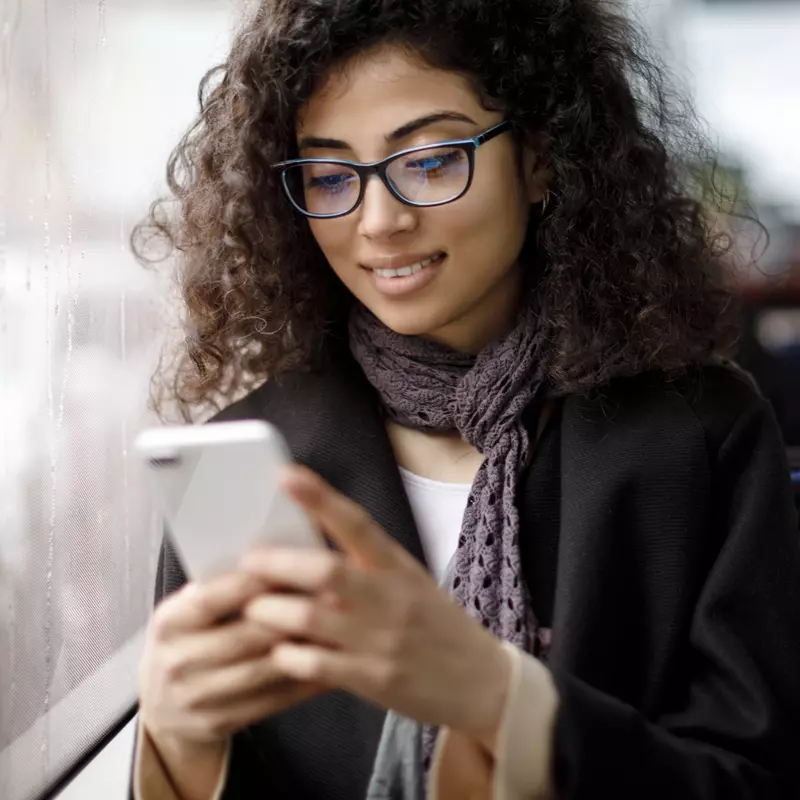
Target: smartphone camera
{"x": 165, "y": 462}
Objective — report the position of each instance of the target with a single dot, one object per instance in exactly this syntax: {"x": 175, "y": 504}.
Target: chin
{"x": 410, "y": 321}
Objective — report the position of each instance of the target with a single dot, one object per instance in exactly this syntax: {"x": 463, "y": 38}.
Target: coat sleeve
{"x": 737, "y": 734}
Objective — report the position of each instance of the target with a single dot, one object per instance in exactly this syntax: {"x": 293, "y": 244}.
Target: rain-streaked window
{"x": 93, "y": 95}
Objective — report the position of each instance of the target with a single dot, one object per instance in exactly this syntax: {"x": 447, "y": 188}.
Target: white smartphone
{"x": 217, "y": 487}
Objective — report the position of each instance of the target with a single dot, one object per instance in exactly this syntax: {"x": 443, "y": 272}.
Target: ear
{"x": 536, "y": 174}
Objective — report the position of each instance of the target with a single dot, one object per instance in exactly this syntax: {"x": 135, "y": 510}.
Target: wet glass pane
{"x": 92, "y": 97}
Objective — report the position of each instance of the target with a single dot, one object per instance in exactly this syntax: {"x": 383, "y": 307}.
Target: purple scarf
{"x": 428, "y": 386}
{"x": 433, "y": 388}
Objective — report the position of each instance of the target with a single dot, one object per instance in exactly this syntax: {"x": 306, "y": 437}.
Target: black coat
{"x": 659, "y": 541}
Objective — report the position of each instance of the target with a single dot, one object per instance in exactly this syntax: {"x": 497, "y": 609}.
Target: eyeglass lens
{"x": 430, "y": 176}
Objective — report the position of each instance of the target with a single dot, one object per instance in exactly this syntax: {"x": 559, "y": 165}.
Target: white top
{"x": 438, "y": 511}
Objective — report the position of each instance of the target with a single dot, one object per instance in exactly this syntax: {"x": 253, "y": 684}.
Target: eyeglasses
{"x": 429, "y": 175}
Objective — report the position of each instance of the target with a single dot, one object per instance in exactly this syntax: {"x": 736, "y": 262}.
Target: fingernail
{"x": 300, "y": 486}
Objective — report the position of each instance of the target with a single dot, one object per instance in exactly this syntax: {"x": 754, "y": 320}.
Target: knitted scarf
{"x": 433, "y": 388}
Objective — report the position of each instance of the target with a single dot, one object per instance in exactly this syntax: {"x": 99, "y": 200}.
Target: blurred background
{"x": 93, "y": 95}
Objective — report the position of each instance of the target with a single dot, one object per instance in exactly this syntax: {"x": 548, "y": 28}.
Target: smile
{"x": 408, "y": 278}
{"x": 412, "y": 269}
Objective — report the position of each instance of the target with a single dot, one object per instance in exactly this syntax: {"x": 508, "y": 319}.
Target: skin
{"x": 369, "y": 618}
{"x": 373, "y": 621}
{"x": 476, "y": 292}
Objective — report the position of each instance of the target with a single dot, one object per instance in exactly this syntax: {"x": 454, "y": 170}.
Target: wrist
{"x": 487, "y": 738}
{"x": 493, "y": 689}
{"x": 191, "y": 768}
{"x": 174, "y": 748}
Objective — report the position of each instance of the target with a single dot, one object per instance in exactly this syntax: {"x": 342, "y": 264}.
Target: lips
{"x": 405, "y": 278}
{"x": 411, "y": 269}
{"x": 400, "y": 262}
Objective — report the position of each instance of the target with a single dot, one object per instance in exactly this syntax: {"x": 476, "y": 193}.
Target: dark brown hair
{"x": 628, "y": 271}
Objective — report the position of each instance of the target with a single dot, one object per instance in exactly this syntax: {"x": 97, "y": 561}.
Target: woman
{"x": 443, "y": 246}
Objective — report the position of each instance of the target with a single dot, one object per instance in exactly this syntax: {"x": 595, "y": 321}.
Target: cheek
{"x": 489, "y": 225}
{"x": 335, "y": 239}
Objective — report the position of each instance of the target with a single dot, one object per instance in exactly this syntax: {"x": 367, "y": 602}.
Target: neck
{"x": 491, "y": 318}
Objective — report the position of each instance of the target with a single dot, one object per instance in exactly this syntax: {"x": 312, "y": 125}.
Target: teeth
{"x": 413, "y": 269}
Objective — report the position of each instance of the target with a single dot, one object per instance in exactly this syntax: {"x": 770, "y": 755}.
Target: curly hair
{"x": 630, "y": 273}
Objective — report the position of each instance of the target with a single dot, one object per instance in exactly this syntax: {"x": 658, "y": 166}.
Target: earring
{"x": 546, "y": 201}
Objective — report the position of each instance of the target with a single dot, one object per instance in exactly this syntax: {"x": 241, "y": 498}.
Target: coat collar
{"x": 332, "y": 423}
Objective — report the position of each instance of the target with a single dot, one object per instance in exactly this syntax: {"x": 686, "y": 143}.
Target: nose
{"x": 381, "y": 214}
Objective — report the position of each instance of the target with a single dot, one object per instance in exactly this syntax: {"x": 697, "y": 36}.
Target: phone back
{"x": 217, "y": 486}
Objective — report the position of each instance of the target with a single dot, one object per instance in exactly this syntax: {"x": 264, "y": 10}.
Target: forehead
{"x": 381, "y": 90}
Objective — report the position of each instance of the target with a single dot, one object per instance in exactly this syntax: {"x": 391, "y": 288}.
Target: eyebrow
{"x": 395, "y": 136}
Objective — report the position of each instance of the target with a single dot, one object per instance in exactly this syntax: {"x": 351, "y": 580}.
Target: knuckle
{"x": 303, "y": 618}
{"x": 256, "y": 673}
{"x": 160, "y": 624}
{"x": 243, "y": 584}
{"x": 315, "y": 669}
{"x": 333, "y": 571}
{"x": 213, "y": 726}
{"x": 174, "y": 666}
{"x": 386, "y": 677}
{"x": 203, "y": 603}
{"x": 311, "y": 668}
{"x": 254, "y": 639}
{"x": 244, "y": 645}
{"x": 362, "y": 521}
{"x": 307, "y": 617}
{"x": 238, "y": 581}
{"x": 193, "y": 700}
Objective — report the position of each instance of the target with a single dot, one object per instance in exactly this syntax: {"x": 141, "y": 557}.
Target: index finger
{"x": 200, "y": 605}
{"x": 346, "y": 522}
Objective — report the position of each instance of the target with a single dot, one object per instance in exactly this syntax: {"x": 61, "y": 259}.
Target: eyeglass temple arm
{"x": 496, "y": 130}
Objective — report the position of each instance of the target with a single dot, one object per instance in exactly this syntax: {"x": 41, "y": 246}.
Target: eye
{"x": 331, "y": 184}
{"x": 437, "y": 163}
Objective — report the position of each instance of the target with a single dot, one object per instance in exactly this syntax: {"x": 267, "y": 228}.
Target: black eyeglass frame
{"x": 469, "y": 146}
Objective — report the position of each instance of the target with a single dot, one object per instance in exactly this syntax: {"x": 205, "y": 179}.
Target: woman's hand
{"x": 372, "y": 621}
{"x": 206, "y": 671}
